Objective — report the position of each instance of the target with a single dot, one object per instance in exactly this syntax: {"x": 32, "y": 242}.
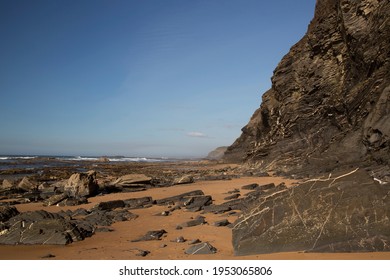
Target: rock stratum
{"x": 329, "y": 102}
{"x": 328, "y": 112}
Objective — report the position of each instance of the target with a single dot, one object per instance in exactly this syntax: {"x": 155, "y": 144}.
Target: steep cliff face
{"x": 329, "y": 104}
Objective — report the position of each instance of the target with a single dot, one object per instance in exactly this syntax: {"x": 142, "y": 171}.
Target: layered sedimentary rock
{"x": 344, "y": 213}
{"x": 328, "y": 110}
{"x": 329, "y": 102}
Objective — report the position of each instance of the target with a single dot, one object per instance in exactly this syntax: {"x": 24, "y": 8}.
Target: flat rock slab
{"x": 151, "y": 235}
{"x": 201, "y": 249}
{"x": 345, "y": 213}
{"x": 199, "y": 220}
{"x": 41, "y": 227}
{"x": 178, "y": 198}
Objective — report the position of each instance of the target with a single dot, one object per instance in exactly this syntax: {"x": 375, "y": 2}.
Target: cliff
{"x": 329, "y": 102}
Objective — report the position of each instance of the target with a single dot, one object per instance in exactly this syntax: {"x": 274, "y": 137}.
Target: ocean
{"x": 29, "y": 162}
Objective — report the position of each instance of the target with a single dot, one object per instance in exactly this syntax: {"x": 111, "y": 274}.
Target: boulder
{"x": 7, "y": 184}
{"x": 187, "y": 179}
{"x": 348, "y": 212}
{"x": 82, "y": 184}
{"x": 26, "y": 184}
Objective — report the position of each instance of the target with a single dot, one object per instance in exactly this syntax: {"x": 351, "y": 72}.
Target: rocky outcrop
{"x": 82, "y": 184}
{"x": 343, "y": 213}
{"x": 329, "y": 102}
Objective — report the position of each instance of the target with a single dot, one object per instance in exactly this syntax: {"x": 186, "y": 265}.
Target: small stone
{"x": 179, "y": 239}
{"x": 194, "y": 241}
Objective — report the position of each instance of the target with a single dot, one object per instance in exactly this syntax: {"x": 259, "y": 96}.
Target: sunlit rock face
{"x": 329, "y": 103}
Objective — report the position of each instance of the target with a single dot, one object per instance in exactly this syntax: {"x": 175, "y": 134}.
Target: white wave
{"x": 17, "y": 157}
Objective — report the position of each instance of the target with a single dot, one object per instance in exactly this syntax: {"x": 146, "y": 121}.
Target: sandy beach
{"x": 117, "y": 245}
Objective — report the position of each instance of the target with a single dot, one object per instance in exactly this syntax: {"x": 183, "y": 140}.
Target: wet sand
{"x": 117, "y": 245}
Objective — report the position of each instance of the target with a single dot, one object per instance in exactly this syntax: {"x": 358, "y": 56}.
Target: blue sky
{"x": 173, "y": 78}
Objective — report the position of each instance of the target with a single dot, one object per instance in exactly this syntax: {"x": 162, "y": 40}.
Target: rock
{"x": 82, "y": 184}
{"x": 53, "y": 200}
{"x": 328, "y": 107}
{"x": 197, "y": 203}
{"x": 26, "y": 184}
{"x": 179, "y": 239}
{"x": 201, "y": 249}
{"x": 7, "y": 184}
{"x": 177, "y": 198}
{"x": 194, "y": 241}
{"x": 187, "y": 179}
{"x": 110, "y": 205}
{"x": 132, "y": 180}
{"x": 142, "y": 253}
{"x": 107, "y": 218}
{"x": 250, "y": 186}
{"x": 73, "y": 201}
{"x": 199, "y": 220}
{"x": 347, "y": 212}
{"x": 217, "y": 209}
{"x": 135, "y": 203}
{"x": 217, "y": 154}
{"x": 7, "y": 212}
{"x": 40, "y": 227}
{"x": 48, "y": 256}
{"x": 222, "y": 223}
{"x": 233, "y": 191}
{"x": 233, "y": 196}
{"x": 151, "y": 235}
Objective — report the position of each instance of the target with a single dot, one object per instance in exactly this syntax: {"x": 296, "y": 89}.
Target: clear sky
{"x": 173, "y": 78}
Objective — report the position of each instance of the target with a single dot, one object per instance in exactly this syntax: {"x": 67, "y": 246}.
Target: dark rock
{"x": 48, "y": 256}
{"x": 110, "y": 205}
{"x": 250, "y": 186}
{"x": 199, "y": 220}
{"x": 194, "y": 241}
{"x": 73, "y": 201}
{"x": 201, "y": 249}
{"x": 135, "y": 203}
{"x": 53, "y": 200}
{"x": 233, "y": 191}
{"x": 344, "y": 213}
{"x": 40, "y": 227}
{"x": 104, "y": 229}
{"x": 222, "y": 223}
{"x": 177, "y": 198}
{"x": 7, "y": 212}
{"x": 216, "y": 209}
{"x": 196, "y": 203}
{"x": 233, "y": 196}
{"x": 82, "y": 184}
{"x": 142, "y": 253}
{"x": 151, "y": 235}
